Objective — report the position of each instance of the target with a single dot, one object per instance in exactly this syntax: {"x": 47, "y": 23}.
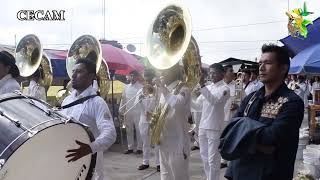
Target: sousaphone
{"x": 168, "y": 42}
{"x": 30, "y": 57}
{"x": 89, "y": 47}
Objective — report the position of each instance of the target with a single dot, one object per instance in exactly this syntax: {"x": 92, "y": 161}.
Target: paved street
{"x": 124, "y": 167}
{"x": 119, "y": 166}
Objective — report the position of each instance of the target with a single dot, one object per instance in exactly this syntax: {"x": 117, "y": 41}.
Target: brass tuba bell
{"x": 104, "y": 79}
{"x": 168, "y": 42}
{"x": 30, "y": 57}
{"x": 87, "y": 46}
{"x": 168, "y": 37}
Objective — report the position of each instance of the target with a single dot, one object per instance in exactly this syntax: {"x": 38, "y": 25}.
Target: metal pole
{"x": 104, "y": 19}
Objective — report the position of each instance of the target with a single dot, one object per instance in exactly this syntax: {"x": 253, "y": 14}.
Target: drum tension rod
{"x": 18, "y": 124}
{"x": 31, "y": 102}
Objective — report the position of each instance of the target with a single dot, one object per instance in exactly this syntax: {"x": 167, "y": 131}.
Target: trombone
{"x": 146, "y": 91}
{"x": 142, "y": 95}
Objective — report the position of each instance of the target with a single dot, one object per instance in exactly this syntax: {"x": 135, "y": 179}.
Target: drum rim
{"x": 91, "y": 137}
{"x": 12, "y": 96}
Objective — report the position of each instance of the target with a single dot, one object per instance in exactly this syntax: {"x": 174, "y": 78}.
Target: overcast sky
{"x": 225, "y": 28}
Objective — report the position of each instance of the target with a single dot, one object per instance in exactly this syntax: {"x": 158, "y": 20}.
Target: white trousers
{"x": 98, "y": 173}
{"x": 209, "y": 142}
{"x": 196, "y": 116}
{"x": 146, "y": 148}
{"x": 173, "y": 165}
{"x": 132, "y": 122}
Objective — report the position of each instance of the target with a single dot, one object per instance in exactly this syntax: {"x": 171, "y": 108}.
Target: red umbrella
{"x": 119, "y": 60}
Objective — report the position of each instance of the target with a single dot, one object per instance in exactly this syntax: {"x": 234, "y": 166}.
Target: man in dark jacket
{"x": 281, "y": 110}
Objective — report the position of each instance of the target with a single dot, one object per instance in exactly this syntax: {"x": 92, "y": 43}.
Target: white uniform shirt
{"x": 37, "y": 91}
{"x": 94, "y": 113}
{"x": 215, "y": 97}
{"x": 292, "y": 85}
{"x": 174, "y": 137}
{"x": 129, "y": 92}
{"x": 227, "y": 111}
{"x": 8, "y": 84}
{"x": 302, "y": 90}
{"x": 315, "y": 85}
{"x": 195, "y": 106}
{"x": 253, "y": 86}
{"x": 147, "y": 105}
{"x": 196, "y": 103}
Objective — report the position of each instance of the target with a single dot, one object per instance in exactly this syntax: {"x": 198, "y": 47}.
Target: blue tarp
{"x": 307, "y": 61}
{"x": 59, "y": 68}
{"x": 298, "y": 44}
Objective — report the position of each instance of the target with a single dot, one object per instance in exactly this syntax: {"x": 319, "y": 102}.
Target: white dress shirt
{"x": 94, "y": 113}
{"x": 253, "y": 86}
{"x": 37, "y": 91}
{"x": 147, "y": 105}
{"x": 301, "y": 90}
{"x": 215, "y": 97}
{"x": 315, "y": 85}
{"x": 129, "y": 92}
{"x": 8, "y": 84}
{"x": 228, "y": 113}
{"x": 292, "y": 85}
{"x": 174, "y": 137}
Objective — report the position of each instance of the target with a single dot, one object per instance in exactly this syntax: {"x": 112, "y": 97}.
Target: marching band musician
{"x": 174, "y": 139}
{"x": 293, "y": 82}
{"x": 230, "y": 106}
{"x": 254, "y": 83}
{"x": 147, "y": 101}
{"x": 211, "y": 123}
{"x": 35, "y": 89}
{"x": 93, "y": 112}
{"x": 8, "y": 71}
{"x": 133, "y": 115}
{"x": 246, "y": 75}
{"x": 196, "y": 107}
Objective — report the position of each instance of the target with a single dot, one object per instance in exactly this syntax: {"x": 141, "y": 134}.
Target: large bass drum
{"x": 34, "y": 140}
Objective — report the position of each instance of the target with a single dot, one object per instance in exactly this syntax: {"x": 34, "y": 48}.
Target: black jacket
{"x": 238, "y": 139}
{"x": 282, "y": 114}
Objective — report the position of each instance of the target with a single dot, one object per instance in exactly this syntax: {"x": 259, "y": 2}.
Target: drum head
{"x": 42, "y": 157}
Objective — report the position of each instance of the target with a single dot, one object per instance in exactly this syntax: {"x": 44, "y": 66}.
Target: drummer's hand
{"x": 75, "y": 154}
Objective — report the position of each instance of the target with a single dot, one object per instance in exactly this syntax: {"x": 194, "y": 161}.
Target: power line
{"x": 242, "y": 25}
{"x": 252, "y": 41}
{"x": 221, "y": 27}
{"x": 211, "y": 42}
{"x": 235, "y": 50}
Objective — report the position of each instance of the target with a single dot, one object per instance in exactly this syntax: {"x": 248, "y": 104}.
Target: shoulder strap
{"x": 252, "y": 99}
{"x": 79, "y": 101}
{"x": 247, "y": 85}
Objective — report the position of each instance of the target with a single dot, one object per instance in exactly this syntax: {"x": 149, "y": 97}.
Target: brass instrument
{"x": 30, "y": 57}
{"x": 238, "y": 96}
{"x": 89, "y": 47}
{"x": 104, "y": 79}
{"x": 169, "y": 41}
{"x": 63, "y": 93}
{"x": 146, "y": 91}
{"x": 169, "y": 36}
